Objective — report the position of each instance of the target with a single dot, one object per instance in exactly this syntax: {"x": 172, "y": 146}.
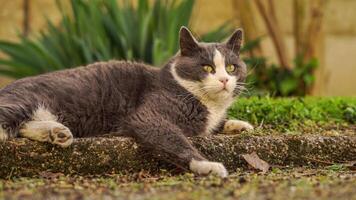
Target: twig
{"x": 248, "y": 21}
{"x": 314, "y": 28}
{"x": 26, "y": 17}
{"x": 319, "y": 161}
{"x": 299, "y": 26}
{"x": 276, "y": 35}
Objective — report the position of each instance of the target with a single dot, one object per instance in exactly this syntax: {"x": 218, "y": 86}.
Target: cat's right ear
{"x": 234, "y": 41}
{"x": 188, "y": 44}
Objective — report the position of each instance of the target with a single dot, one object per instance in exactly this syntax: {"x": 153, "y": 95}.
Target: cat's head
{"x": 210, "y": 70}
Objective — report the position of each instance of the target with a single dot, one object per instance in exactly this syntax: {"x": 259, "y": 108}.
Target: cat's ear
{"x": 235, "y": 41}
{"x": 187, "y": 42}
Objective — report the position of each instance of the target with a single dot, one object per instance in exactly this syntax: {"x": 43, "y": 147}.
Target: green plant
{"x": 336, "y": 167}
{"x": 278, "y": 81}
{"x": 295, "y": 113}
{"x": 96, "y": 30}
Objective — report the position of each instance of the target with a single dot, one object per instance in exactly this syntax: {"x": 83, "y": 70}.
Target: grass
{"x": 297, "y": 183}
{"x": 293, "y": 114}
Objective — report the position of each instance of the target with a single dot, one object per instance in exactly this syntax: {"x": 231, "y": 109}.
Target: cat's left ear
{"x": 188, "y": 44}
{"x": 235, "y": 41}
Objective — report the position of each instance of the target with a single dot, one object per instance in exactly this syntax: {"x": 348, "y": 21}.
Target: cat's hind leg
{"x": 47, "y": 131}
{"x": 44, "y": 127}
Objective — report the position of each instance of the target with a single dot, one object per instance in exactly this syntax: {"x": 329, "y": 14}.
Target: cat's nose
{"x": 224, "y": 80}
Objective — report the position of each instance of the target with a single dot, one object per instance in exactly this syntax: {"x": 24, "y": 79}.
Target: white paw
{"x": 207, "y": 167}
{"x": 61, "y": 136}
{"x": 47, "y": 131}
{"x": 237, "y": 125}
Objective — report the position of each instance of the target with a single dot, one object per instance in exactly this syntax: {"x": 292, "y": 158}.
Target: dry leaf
{"x": 256, "y": 162}
{"x": 350, "y": 165}
{"x": 50, "y": 175}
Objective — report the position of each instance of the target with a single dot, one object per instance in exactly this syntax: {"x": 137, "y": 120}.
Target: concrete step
{"x": 96, "y": 156}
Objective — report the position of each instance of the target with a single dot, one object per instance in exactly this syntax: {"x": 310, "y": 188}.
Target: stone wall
{"x": 339, "y": 66}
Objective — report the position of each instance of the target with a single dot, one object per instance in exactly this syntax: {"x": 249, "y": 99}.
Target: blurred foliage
{"x": 295, "y": 113}
{"x": 271, "y": 79}
{"x": 94, "y": 30}
{"x": 100, "y": 30}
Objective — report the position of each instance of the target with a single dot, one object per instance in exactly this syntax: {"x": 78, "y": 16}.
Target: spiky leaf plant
{"x": 99, "y": 30}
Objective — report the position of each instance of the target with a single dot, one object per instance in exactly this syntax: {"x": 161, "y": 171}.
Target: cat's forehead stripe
{"x": 219, "y": 60}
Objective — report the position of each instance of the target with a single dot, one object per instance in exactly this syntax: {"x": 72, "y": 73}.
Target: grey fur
{"x": 128, "y": 98}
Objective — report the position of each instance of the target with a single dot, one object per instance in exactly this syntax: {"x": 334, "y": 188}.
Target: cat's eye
{"x": 230, "y": 68}
{"x": 208, "y": 68}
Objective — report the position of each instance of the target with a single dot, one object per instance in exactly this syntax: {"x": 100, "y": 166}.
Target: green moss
{"x": 295, "y": 113}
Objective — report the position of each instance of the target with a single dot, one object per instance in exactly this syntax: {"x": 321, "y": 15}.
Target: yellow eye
{"x": 230, "y": 68}
{"x": 208, "y": 68}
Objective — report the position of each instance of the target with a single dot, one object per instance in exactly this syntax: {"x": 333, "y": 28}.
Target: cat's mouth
{"x": 215, "y": 91}
{"x": 223, "y": 91}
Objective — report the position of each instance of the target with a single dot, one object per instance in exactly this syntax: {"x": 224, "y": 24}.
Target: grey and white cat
{"x": 160, "y": 108}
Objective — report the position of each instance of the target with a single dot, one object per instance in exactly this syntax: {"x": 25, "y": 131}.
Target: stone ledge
{"x": 97, "y": 156}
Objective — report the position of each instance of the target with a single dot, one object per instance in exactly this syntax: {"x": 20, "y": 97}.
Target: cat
{"x": 159, "y": 108}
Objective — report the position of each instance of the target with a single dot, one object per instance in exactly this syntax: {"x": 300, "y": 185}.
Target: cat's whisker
{"x": 243, "y": 90}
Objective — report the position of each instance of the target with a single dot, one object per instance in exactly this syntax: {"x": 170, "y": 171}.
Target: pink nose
{"x": 224, "y": 80}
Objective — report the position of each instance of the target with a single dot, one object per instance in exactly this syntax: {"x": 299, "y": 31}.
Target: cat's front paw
{"x": 237, "y": 125}
{"x": 206, "y": 167}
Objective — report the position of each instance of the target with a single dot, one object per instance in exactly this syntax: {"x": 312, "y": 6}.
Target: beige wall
{"x": 339, "y": 71}
{"x": 11, "y": 16}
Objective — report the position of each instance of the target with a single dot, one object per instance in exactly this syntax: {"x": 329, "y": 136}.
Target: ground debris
{"x": 256, "y": 162}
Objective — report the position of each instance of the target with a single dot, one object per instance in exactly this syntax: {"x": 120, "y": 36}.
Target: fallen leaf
{"x": 50, "y": 175}
{"x": 256, "y": 162}
{"x": 350, "y": 165}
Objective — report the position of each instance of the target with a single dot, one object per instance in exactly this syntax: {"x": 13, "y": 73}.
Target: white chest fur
{"x": 217, "y": 112}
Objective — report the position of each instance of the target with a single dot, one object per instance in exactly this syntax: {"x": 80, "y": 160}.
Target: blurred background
{"x": 292, "y": 47}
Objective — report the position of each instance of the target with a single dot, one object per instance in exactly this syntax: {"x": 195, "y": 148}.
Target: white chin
{"x": 221, "y": 94}
{"x": 225, "y": 91}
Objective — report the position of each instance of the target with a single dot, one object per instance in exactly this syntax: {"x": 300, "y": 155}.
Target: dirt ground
{"x": 332, "y": 182}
